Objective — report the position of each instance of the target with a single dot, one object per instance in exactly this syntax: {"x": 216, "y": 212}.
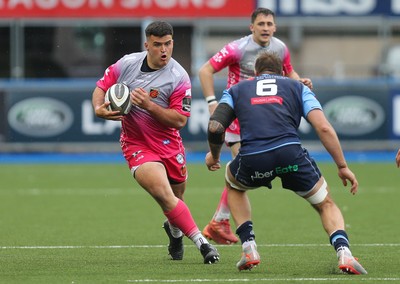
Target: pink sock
{"x": 181, "y": 218}
{"x": 223, "y": 211}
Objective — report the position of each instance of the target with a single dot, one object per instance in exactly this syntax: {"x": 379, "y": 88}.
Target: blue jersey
{"x": 269, "y": 109}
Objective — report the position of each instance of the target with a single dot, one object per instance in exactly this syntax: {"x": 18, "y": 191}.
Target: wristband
{"x": 211, "y": 100}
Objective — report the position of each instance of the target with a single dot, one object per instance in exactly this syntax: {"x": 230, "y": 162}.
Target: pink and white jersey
{"x": 240, "y": 56}
{"x": 168, "y": 87}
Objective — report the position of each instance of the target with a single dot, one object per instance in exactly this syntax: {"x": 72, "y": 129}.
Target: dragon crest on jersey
{"x": 154, "y": 93}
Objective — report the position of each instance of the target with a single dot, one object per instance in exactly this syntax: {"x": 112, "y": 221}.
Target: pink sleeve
{"x": 228, "y": 55}
{"x": 109, "y": 78}
{"x": 180, "y": 99}
{"x": 286, "y": 64}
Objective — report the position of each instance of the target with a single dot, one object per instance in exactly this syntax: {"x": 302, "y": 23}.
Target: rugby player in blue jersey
{"x": 269, "y": 109}
{"x": 238, "y": 57}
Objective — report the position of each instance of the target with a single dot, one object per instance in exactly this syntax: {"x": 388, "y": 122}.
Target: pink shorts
{"x": 174, "y": 165}
{"x": 232, "y": 134}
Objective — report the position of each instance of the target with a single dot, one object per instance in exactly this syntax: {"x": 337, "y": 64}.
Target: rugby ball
{"x": 119, "y": 97}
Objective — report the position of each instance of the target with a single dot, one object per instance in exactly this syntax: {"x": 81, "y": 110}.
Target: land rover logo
{"x": 354, "y": 115}
{"x": 40, "y": 117}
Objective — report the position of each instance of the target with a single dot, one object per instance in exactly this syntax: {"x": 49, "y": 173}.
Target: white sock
{"x": 199, "y": 239}
{"x": 344, "y": 250}
{"x": 249, "y": 243}
{"x": 223, "y": 213}
{"x": 175, "y": 232}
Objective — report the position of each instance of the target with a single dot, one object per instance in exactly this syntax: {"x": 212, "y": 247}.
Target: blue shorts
{"x": 292, "y": 164}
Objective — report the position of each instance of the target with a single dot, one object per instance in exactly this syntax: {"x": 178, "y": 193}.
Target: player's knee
{"x": 230, "y": 180}
{"x": 232, "y": 184}
{"x": 320, "y": 195}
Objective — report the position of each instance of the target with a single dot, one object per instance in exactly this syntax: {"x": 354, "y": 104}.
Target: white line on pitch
{"x": 162, "y": 246}
{"x": 258, "y": 280}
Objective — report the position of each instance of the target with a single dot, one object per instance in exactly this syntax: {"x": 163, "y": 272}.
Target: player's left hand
{"x": 307, "y": 82}
{"x": 398, "y": 158}
{"x": 345, "y": 175}
{"x": 212, "y": 164}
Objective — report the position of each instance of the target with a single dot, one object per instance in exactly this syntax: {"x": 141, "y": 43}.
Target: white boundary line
{"x": 163, "y": 246}
{"x": 258, "y": 280}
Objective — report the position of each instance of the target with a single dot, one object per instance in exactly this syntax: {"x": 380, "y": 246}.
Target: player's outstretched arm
{"x": 330, "y": 140}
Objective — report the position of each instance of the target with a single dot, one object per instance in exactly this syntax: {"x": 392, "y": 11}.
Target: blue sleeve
{"x": 227, "y": 98}
{"x": 310, "y": 102}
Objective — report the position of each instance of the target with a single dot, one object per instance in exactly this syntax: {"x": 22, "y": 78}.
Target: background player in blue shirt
{"x": 269, "y": 109}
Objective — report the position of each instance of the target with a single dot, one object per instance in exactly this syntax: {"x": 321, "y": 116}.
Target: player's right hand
{"x": 307, "y": 82}
{"x": 212, "y": 164}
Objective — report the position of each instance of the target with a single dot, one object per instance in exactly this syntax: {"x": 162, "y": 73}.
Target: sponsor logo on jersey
{"x": 267, "y": 100}
{"x": 154, "y": 93}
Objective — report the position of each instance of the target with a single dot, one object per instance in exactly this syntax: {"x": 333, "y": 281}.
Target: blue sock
{"x": 245, "y": 232}
{"x": 339, "y": 239}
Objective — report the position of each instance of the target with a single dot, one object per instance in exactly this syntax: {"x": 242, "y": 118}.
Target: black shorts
{"x": 292, "y": 163}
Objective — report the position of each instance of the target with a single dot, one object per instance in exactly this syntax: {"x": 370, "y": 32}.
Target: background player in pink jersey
{"x": 239, "y": 56}
{"x": 150, "y": 139}
{"x": 398, "y": 158}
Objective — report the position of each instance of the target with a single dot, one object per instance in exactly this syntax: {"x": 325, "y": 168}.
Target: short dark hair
{"x": 259, "y": 11}
{"x": 268, "y": 62}
{"x": 159, "y": 29}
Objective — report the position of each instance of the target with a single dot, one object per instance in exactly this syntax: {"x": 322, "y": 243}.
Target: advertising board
{"x": 62, "y": 112}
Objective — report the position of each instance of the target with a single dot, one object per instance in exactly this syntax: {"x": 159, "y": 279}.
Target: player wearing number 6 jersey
{"x": 269, "y": 109}
{"x": 239, "y": 56}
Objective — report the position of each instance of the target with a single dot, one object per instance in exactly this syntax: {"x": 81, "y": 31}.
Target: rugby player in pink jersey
{"x": 239, "y": 57}
{"x": 150, "y": 139}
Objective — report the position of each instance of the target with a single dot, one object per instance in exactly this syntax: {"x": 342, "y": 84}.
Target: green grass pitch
{"x": 91, "y": 223}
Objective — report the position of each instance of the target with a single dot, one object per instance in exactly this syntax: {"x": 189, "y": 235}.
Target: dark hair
{"x": 159, "y": 29}
{"x": 268, "y": 62}
{"x": 259, "y": 11}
